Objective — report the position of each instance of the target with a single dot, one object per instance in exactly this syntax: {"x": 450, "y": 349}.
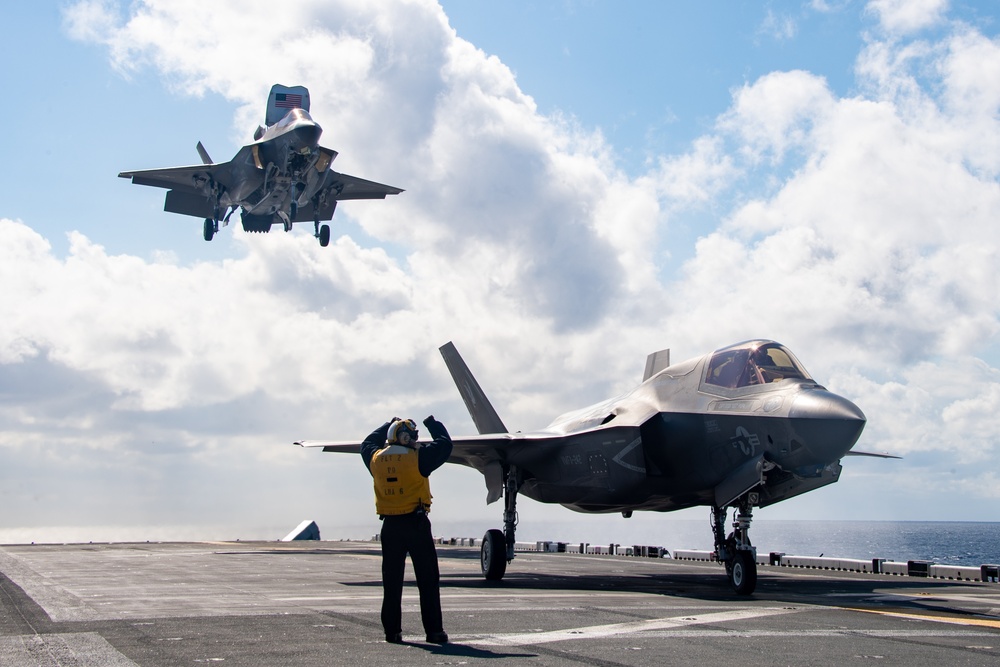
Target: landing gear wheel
{"x": 209, "y": 229}
{"x": 493, "y": 555}
{"x": 324, "y": 235}
{"x": 743, "y": 573}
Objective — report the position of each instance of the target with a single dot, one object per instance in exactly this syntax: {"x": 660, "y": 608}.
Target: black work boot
{"x": 395, "y": 639}
{"x": 437, "y": 637}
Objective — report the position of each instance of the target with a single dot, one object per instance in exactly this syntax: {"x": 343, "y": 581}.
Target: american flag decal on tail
{"x": 287, "y": 101}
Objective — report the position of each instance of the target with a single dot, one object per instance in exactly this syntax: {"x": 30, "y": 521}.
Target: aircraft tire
{"x": 324, "y": 235}
{"x": 493, "y": 555}
{"x": 209, "y": 229}
{"x": 743, "y": 574}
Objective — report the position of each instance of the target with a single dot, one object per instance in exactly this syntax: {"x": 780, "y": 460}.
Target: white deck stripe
{"x": 751, "y": 634}
{"x": 617, "y": 629}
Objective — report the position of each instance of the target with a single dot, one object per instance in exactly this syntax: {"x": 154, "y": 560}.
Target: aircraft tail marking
{"x": 281, "y": 99}
{"x": 480, "y": 409}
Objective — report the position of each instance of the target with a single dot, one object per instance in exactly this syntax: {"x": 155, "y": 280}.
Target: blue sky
{"x": 652, "y": 76}
{"x": 585, "y": 182}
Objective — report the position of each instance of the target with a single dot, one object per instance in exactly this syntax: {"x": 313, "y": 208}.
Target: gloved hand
{"x": 436, "y": 428}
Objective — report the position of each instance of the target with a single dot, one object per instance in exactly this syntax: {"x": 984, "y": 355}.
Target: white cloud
{"x": 907, "y": 16}
{"x": 779, "y": 27}
{"x": 776, "y": 113}
{"x": 860, "y": 231}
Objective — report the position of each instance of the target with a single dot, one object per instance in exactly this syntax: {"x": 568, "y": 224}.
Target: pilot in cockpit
{"x": 749, "y": 366}
{"x": 758, "y": 369}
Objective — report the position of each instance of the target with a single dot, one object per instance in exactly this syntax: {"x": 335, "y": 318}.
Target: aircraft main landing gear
{"x": 210, "y": 229}
{"x": 498, "y": 546}
{"x": 493, "y": 555}
{"x": 735, "y": 551}
{"x": 322, "y": 232}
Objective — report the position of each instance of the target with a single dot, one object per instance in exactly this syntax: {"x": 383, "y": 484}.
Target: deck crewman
{"x": 400, "y": 467}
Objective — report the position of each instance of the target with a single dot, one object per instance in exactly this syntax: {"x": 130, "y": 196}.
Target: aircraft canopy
{"x": 753, "y": 363}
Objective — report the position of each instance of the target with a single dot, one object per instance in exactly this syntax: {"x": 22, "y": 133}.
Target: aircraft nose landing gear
{"x": 735, "y": 551}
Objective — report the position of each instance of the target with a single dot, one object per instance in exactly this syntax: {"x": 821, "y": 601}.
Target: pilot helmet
{"x": 399, "y": 426}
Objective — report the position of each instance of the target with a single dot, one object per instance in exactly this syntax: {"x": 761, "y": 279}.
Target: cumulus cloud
{"x": 907, "y": 16}
{"x": 861, "y": 231}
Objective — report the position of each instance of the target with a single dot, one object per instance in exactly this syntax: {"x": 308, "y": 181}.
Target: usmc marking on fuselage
{"x": 747, "y": 442}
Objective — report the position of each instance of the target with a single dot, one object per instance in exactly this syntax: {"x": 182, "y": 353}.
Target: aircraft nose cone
{"x": 822, "y": 404}
{"x": 307, "y": 135}
{"x": 826, "y": 424}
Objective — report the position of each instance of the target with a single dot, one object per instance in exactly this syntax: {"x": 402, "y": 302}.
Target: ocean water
{"x": 962, "y": 543}
{"x": 942, "y": 542}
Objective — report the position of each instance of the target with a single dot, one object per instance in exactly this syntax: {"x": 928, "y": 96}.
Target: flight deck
{"x": 317, "y": 603}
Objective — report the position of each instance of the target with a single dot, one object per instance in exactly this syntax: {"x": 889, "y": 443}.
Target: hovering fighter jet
{"x": 743, "y": 427}
{"x": 282, "y": 178}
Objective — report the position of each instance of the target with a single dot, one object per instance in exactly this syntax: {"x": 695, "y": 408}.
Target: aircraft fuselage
{"x": 678, "y": 441}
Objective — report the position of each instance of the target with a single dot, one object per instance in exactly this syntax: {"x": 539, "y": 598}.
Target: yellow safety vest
{"x": 399, "y": 486}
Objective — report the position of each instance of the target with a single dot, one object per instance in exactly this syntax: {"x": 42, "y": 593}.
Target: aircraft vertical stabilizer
{"x": 655, "y": 363}
{"x": 483, "y": 415}
{"x": 203, "y": 154}
{"x": 283, "y": 98}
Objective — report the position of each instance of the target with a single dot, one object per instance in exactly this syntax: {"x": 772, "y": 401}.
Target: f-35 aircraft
{"x": 742, "y": 427}
{"x": 282, "y": 178}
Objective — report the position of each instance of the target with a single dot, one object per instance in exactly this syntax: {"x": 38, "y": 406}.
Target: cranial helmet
{"x": 401, "y": 425}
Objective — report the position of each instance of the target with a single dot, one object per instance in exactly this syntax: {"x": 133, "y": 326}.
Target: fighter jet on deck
{"x": 282, "y": 178}
{"x": 743, "y": 427}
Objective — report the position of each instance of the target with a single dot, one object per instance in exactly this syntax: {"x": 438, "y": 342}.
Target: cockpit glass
{"x": 754, "y": 364}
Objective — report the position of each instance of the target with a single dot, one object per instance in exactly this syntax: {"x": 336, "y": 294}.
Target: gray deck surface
{"x": 317, "y": 603}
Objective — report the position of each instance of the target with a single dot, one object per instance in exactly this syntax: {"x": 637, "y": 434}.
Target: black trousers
{"x": 402, "y": 535}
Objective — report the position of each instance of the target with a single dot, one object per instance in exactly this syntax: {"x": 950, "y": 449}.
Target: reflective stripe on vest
{"x": 399, "y": 486}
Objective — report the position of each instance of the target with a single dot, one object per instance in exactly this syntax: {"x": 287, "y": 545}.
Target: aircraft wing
{"x": 474, "y": 451}
{"x": 190, "y": 180}
{"x": 184, "y": 178}
{"x": 345, "y": 186}
{"x": 485, "y": 453}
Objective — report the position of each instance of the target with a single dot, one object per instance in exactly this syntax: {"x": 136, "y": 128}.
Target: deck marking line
{"x": 980, "y": 622}
{"x": 617, "y": 629}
